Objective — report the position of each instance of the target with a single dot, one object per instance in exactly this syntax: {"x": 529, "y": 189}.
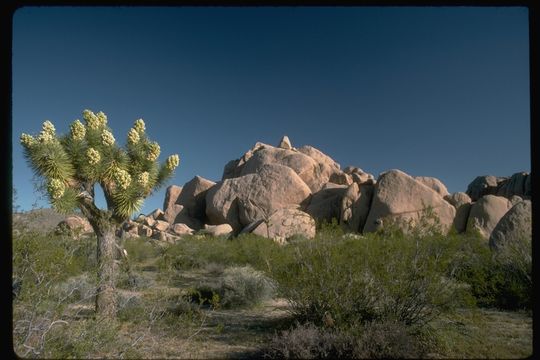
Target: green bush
{"x": 196, "y": 253}
{"x": 236, "y": 287}
{"x": 496, "y": 279}
{"x": 377, "y": 278}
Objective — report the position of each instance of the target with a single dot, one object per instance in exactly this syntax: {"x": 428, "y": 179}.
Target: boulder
{"x": 164, "y": 236}
{"x": 240, "y": 201}
{"x": 326, "y": 203}
{"x": 462, "y": 215}
{"x": 514, "y": 199}
{"x": 157, "y": 214}
{"x": 364, "y": 178}
{"x": 484, "y": 185}
{"x": 457, "y": 199}
{"x": 486, "y": 213}
{"x": 433, "y": 183}
{"x": 313, "y": 167}
{"x": 513, "y": 228}
{"x": 172, "y": 212}
{"x": 145, "y": 230}
{"x": 399, "y": 197}
{"x": 171, "y": 195}
{"x": 129, "y": 229}
{"x": 193, "y": 196}
{"x": 359, "y": 209}
{"x": 515, "y": 186}
{"x": 75, "y": 226}
{"x": 348, "y": 199}
{"x": 285, "y": 143}
{"x": 182, "y": 229}
{"x": 149, "y": 221}
{"x": 161, "y": 225}
{"x": 340, "y": 178}
{"x": 217, "y": 230}
{"x": 234, "y": 168}
{"x": 462, "y": 203}
{"x": 283, "y": 224}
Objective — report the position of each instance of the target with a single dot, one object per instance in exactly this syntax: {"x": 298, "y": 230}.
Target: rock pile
{"x": 281, "y": 191}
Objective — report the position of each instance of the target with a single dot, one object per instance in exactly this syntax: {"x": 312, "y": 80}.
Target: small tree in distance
{"x": 71, "y": 165}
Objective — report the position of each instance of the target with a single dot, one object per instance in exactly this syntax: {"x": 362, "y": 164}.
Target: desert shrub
{"x": 41, "y": 260}
{"x": 82, "y": 338}
{"x": 307, "y": 341}
{"x": 75, "y": 289}
{"x": 131, "y": 280}
{"x": 390, "y": 340}
{"x": 195, "y": 253}
{"x": 496, "y": 279}
{"x": 237, "y": 287}
{"x": 394, "y": 277}
{"x": 329, "y": 228}
{"x": 141, "y": 249}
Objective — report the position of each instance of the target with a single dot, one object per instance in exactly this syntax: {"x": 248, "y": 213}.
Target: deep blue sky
{"x": 440, "y": 92}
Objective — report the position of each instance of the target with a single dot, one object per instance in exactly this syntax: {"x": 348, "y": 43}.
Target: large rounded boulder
{"x": 284, "y": 224}
{"x": 486, "y": 213}
{"x": 326, "y": 203}
{"x": 310, "y": 164}
{"x": 245, "y": 199}
{"x": 514, "y": 227}
{"x": 400, "y": 198}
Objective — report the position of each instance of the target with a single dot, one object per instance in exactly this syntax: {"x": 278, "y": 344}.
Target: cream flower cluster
{"x": 48, "y": 127}
{"x": 27, "y": 140}
{"x": 107, "y": 138}
{"x": 48, "y": 132}
{"x": 91, "y": 119}
{"x": 133, "y": 136}
{"x": 143, "y": 178}
{"x": 173, "y": 161}
{"x": 78, "y": 131}
{"x": 102, "y": 118}
{"x": 56, "y": 188}
{"x": 93, "y": 156}
{"x": 153, "y": 151}
{"x": 122, "y": 177}
{"x": 139, "y": 126}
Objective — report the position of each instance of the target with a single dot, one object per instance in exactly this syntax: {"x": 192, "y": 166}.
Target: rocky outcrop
{"x": 192, "y": 197}
{"x": 283, "y": 224}
{"x": 171, "y": 195}
{"x": 242, "y": 200}
{"x": 513, "y": 228}
{"x": 400, "y": 198}
{"x": 458, "y": 199}
{"x": 315, "y": 172}
{"x": 518, "y": 184}
{"x": 181, "y": 229}
{"x": 355, "y": 206}
{"x": 217, "y": 230}
{"x": 75, "y": 226}
{"x": 462, "y": 202}
{"x": 486, "y": 213}
{"x": 285, "y": 143}
{"x": 434, "y": 184}
{"x": 326, "y": 203}
{"x": 484, "y": 185}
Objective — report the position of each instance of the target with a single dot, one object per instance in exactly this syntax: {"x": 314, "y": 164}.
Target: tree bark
{"x": 107, "y": 270}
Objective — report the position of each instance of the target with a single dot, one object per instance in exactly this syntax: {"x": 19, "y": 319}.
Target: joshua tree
{"x": 70, "y": 166}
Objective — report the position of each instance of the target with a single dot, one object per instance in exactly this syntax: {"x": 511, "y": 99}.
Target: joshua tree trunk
{"x": 107, "y": 270}
{"x": 104, "y": 228}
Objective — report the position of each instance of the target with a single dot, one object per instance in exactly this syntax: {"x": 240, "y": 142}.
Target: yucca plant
{"x": 71, "y": 165}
